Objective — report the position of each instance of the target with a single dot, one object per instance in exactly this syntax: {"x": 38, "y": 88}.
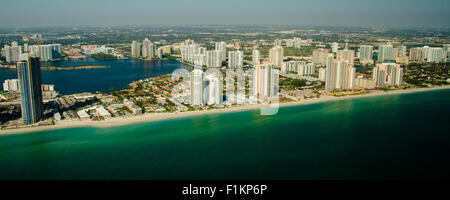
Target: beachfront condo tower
{"x": 29, "y": 73}
{"x": 197, "y": 87}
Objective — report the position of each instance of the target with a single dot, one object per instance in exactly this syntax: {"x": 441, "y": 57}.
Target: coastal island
{"x": 57, "y": 68}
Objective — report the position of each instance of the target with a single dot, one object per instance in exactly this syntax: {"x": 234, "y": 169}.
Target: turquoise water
{"x": 391, "y": 137}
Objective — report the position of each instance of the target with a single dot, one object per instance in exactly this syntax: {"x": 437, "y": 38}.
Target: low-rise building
{"x": 93, "y": 111}
{"x": 136, "y": 110}
{"x": 83, "y": 115}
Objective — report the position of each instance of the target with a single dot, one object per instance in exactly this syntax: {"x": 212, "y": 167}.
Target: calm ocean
{"x": 389, "y": 137}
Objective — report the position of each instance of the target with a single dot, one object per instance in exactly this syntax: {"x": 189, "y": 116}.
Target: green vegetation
{"x": 104, "y": 56}
{"x": 124, "y": 109}
{"x": 169, "y": 57}
{"x": 388, "y": 89}
{"x": 4, "y": 95}
{"x": 291, "y": 84}
{"x": 303, "y": 51}
{"x": 283, "y": 99}
{"x": 425, "y": 74}
{"x": 116, "y": 93}
{"x": 415, "y": 82}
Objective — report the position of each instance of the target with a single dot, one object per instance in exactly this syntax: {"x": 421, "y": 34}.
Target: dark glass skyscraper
{"x": 29, "y": 74}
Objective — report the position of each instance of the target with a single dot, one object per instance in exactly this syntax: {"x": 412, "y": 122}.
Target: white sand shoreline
{"x": 121, "y": 121}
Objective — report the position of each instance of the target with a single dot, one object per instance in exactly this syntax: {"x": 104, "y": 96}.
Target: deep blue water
{"x": 118, "y": 74}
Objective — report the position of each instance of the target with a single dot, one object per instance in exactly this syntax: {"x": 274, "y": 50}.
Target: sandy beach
{"x": 120, "y": 121}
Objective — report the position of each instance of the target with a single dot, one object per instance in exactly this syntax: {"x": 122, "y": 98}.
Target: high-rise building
{"x": 256, "y": 58}
{"x": 136, "y": 49}
{"x": 276, "y": 56}
{"x": 289, "y": 42}
{"x": 334, "y": 47}
{"x": 221, "y": 48}
{"x": 274, "y": 80}
{"x": 25, "y": 48}
{"x": 160, "y": 52}
{"x": 277, "y": 42}
{"x": 148, "y": 49}
{"x": 292, "y": 66}
{"x": 230, "y": 86}
{"x": 29, "y": 74}
{"x": 11, "y": 85}
{"x": 12, "y": 53}
{"x": 447, "y": 51}
{"x": 235, "y": 59}
{"x": 48, "y": 52}
{"x": 446, "y": 47}
{"x": 45, "y": 53}
{"x": 322, "y": 74}
{"x": 402, "y": 50}
{"x": 265, "y": 81}
{"x": 349, "y": 75}
{"x": 167, "y": 49}
{"x": 213, "y": 59}
{"x": 298, "y": 42}
{"x": 340, "y": 75}
{"x": 385, "y": 53}
{"x": 396, "y": 52}
{"x": 184, "y": 52}
{"x": 200, "y": 60}
{"x": 213, "y": 88}
{"x": 252, "y": 84}
{"x": 347, "y": 55}
{"x": 388, "y": 75}
{"x": 33, "y": 50}
{"x": 202, "y": 50}
{"x": 197, "y": 87}
{"x": 330, "y": 73}
{"x": 188, "y": 52}
{"x": 56, "y": 51}
{"x": 240, "y": 86}
{"x": 193, "y": 50}
{"x": 300, "y": 67}
{"x": 320, "y": 56}
{"x": 436, "y": 55}
{"x": 366, "y": 52}
{"x": 295, "y": 42}
{"x": 346, "y": 46}
{"x": 308, "y": 69}
{"x": 399, "y": 51}
{"x": 188, "y": 42}
{"x": 417, "y": 54}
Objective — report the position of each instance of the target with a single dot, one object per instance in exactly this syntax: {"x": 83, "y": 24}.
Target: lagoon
{"x": 118, "y": 74}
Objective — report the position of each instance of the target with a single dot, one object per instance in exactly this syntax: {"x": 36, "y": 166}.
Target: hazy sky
{"x": 405, "y": 13}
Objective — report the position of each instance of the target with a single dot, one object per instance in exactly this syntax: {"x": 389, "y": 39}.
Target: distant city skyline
{"x": 400, "y": 13}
